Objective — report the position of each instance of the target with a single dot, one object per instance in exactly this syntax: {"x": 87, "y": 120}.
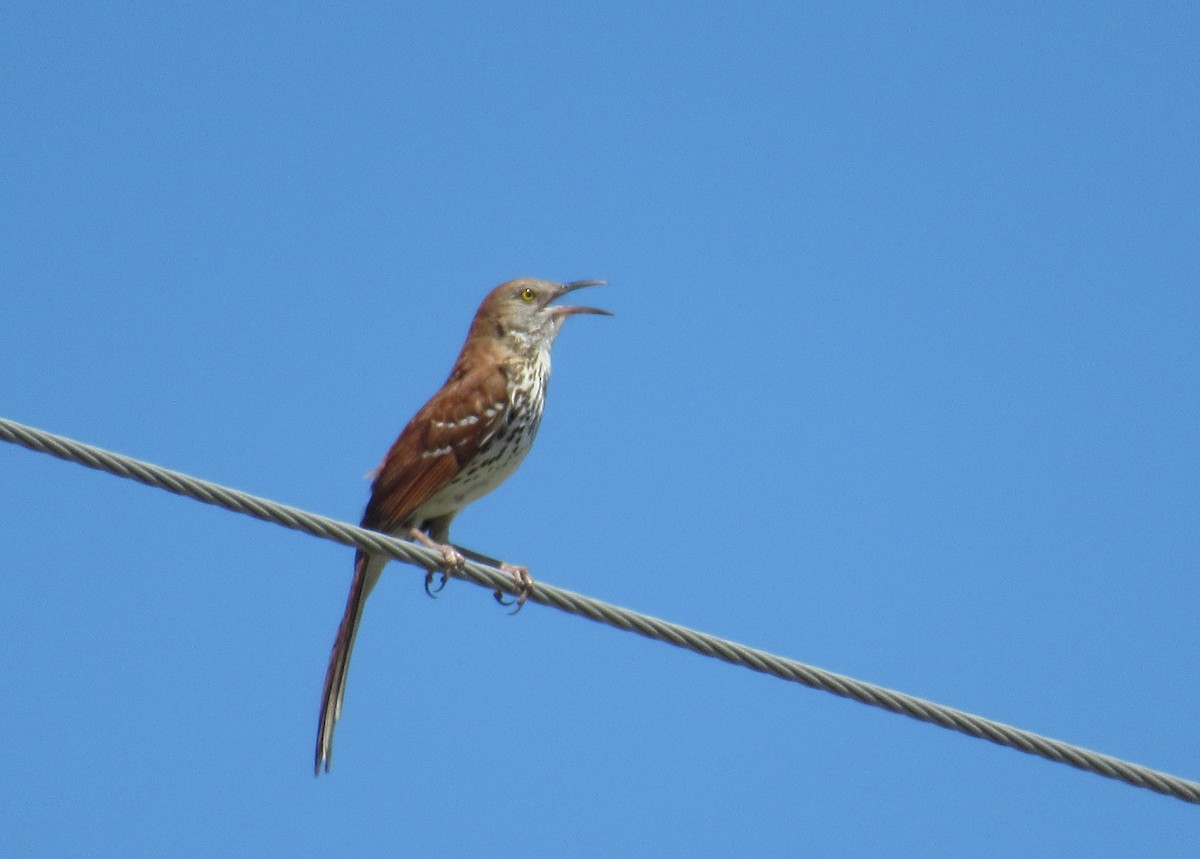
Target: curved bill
{"x": 569, "y": 310}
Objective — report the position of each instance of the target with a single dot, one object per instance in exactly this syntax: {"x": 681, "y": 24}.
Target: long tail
{"x": 367, "y": 569}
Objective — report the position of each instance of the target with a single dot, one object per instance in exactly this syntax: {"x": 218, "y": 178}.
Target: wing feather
{"x": 442, "y": 437}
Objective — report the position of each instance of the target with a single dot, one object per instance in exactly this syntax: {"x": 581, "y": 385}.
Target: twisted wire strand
{"x": 606, "y": 613}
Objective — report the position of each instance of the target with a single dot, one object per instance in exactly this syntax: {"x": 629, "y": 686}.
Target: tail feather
{"x": 367, "y": 569}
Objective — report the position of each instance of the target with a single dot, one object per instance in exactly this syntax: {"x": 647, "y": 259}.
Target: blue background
{"x": 903, "y": 382}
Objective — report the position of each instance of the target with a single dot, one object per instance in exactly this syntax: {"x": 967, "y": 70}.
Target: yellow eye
{"x": 527, "y": 294}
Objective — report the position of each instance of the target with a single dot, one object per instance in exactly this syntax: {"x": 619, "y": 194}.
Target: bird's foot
{"x": 524, "y": 583}
{"x": 452, "y": 561}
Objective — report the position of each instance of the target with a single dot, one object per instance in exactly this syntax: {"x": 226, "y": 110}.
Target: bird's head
{"x": 521, "y": 311}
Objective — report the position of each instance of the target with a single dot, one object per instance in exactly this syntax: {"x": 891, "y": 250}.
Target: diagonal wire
{"x": 606, "y": 613}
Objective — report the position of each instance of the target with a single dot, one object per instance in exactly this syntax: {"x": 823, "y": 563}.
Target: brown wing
{"x": 445, "y": 434}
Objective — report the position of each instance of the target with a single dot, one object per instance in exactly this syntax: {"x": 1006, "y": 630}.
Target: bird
{"x": 463, "y": 443}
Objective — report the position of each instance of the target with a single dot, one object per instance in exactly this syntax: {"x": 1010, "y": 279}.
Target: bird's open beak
{"x": 568, "y": 310}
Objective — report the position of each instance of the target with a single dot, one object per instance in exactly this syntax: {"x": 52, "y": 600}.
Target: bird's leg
{"x": 451, "y": 557}
{"x": 524, "y": 584}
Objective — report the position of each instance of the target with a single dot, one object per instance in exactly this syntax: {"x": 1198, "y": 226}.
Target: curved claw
{"x": 429, "y": 576}
{"x": 524, "y": 588}
{"x": 502, "y": 598}
{"x": 453, "y": 560}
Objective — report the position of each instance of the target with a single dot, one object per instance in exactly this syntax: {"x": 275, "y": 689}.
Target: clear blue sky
{"x": 903, "y": 382}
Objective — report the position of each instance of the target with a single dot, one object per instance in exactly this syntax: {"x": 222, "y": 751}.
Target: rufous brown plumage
{"x": 464, "y": 442}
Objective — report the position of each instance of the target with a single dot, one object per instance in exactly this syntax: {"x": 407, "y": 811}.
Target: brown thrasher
{"x": 469, "y": 437}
